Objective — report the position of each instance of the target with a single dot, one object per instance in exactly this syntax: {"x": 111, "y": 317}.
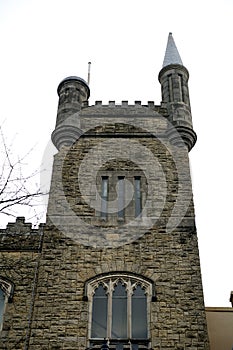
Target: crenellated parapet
{"x": 73, "y": 105}
{"x": 125, "y": 103}
{"x": 20, "y": 236}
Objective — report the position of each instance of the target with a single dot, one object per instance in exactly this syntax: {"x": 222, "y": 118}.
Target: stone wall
{"x": 50, "y": 309}
{"x": 79, "y": 246}
{"x": 20, "y": 247}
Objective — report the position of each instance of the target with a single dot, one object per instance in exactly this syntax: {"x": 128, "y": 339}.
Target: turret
{"x": 72, "y": 92}
{"x": 175, "y": 95}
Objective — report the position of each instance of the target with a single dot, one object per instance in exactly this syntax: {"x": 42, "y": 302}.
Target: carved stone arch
{"x": 141, "y": 284}
{"x": 7, "y": 287}
{"x": 146, "y": 283}
{"x": 118, "y": 279}
{"x": 100, "y": 283}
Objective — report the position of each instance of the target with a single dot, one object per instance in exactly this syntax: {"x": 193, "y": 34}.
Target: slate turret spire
{"x": 172, "y": 55}
{"x": 175, "y": 95}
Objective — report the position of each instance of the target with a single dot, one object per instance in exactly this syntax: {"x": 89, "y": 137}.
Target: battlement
{"x": 20, "y": 236}
{"x": 150, "y": 104}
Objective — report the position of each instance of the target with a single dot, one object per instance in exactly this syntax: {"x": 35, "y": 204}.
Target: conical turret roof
{"x": 172, "y": 55}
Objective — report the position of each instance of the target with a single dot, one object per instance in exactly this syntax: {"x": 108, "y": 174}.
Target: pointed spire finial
{"x": 172, "y": 55}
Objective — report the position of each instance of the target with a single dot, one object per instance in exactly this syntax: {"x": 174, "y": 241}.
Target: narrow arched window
{"x": 119, "y": 309}
{"x": 137, "y": 190}
{"x": 6, "y": 294}
{"x": 104, "y": 197}
{"x": 2, "y": 306}
{"x": 121, "y": 197}
{"x": 99, "y": 313}
{"x": 139, "y": 313}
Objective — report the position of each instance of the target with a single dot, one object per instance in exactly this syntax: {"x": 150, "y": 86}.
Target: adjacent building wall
{"x": 220, "y": 327}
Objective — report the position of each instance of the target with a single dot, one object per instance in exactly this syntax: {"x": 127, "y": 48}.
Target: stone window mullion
{"x": 90, "y": 298}
{"x": 109, "y": 323}
{"x": 130, "y": 291}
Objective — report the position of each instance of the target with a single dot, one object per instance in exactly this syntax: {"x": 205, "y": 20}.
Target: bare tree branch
{"x": 18, "y": 188}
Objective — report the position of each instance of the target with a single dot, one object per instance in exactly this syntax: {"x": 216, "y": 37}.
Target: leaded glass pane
{"x": 121, "y": 196}
{"x": 104, "y": 197}
{"x": 119, "y": 312}
{"x": 2, "y": 303}
{"x": 134, "y": 346}
{"x": 137, "y": 191}
{"x": 139, "y": 314}
{"x": 99, "y": 313}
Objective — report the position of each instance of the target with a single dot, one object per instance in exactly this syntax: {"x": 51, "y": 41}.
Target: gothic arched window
{"x": 119, "y": 309}
{"x": 6, "y": 293}
{"x": 2, "y": 306}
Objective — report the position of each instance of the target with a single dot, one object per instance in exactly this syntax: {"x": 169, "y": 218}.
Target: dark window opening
{"x": 137, "y": 194}
{"x": 104, "y": 197}
{"x": 2, "y": 306}
{"x": 121, "y": 197}
{"x": 99, "y": 313}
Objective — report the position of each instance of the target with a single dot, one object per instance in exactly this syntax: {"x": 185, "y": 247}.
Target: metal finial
{"x": 89, "y": 73}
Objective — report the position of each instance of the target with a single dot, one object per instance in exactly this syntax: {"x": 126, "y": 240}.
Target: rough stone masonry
{"x": 51, "y": 274}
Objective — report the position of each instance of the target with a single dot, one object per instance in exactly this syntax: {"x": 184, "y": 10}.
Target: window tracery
{"x": 119, "y": 309}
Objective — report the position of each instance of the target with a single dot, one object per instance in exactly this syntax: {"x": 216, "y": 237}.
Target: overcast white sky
{"x": 43, "y": 41}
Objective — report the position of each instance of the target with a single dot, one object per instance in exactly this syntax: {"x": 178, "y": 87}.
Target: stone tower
{"x": 117, "y": 264}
